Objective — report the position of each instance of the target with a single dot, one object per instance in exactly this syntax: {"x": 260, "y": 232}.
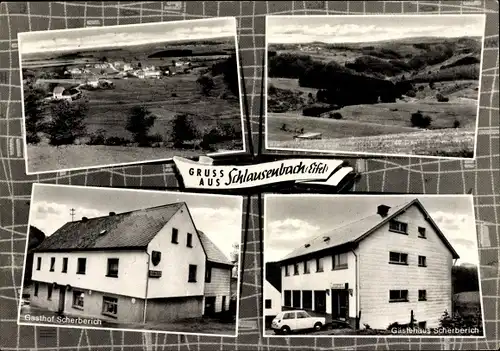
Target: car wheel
{"x": 318, "y": 326}
{"x": 285, "y": 330}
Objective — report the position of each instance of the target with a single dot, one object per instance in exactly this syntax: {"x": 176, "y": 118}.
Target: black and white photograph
{"x": 118, "y": 95}
{"x": 392, "y": 85}
{"x": 132, "y": 260}
{"x": 364, "y": 265}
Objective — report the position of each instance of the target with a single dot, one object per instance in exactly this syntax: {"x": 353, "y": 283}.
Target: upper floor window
{"x": 421, "y": 232}
{"x": 49, "y": 291}
{"x": 422, "y": 261}
{"x": 81, "y": 266}
{"x": 295, "y": 269}
{"x": 189, "y": 242}
{"x": 52, "y": 263}
{"x": 175, "y": 235}
{"x": 38, "y": 263}
{"x": 339, "y": 261}
{"x": 208, "y": 273}
{"x": 112, "y": 267}
{"x": 422, "y": 295}
{"x": 398, "y": 295}
{"x": 65, "y": 265}
{"x": 398, "y": 258}
{"x": 306, "y": 267}
{"x": 319, "y": 265}
{"x": 287, "y": 272}
{"x": 398, "y": 227}
{"x": 192, "y": 273}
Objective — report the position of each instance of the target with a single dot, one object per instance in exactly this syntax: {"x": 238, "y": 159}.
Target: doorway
{"x": 209, "y": 305}
{"x": 62, "y": 299}
{"x": 340, "y": 304}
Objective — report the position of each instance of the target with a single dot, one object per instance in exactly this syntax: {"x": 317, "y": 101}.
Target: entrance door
{"x": 209, "y": 305}
{"x": 223, "y": 307}
{"x": 340, "y": 304}
{"x": 320, "y": 301}
{"x": 62, "y": 299}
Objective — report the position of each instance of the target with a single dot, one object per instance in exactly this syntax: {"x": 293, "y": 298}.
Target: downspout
{"x": 147, "y": 287}
{"x": 356, "y": 279}
{"x": 452, "y": 291}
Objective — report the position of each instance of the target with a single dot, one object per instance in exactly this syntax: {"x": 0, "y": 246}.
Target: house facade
{"x": 393, "y": 266}
{"x": 139, "y": 266}
{"x": 272, "y": 302}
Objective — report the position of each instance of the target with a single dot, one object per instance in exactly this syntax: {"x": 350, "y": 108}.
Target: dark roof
{"x": 214, "y": 254}
{"x": 134, "y": 229}
{"x": 354, "y": 232}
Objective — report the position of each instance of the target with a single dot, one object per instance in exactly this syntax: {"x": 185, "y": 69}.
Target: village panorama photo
{"x": 132, "y": 260}
{"x": 116, "y": 95}
{"x": 394, "y": 85}
{"x": 365, "y": 265}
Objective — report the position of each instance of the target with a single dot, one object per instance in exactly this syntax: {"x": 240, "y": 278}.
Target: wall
{"x": 176, "y": 258}
{"x": 220, "y": 285}
{"x": 132, "y": 270}
{"x": 270, "y": 292}
{"x": 377, "y": 276}
{"x": 171, "y": 309}
{"x": 322, "y": 280}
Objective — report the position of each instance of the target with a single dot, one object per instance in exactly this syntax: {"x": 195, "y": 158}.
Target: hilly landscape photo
{"x": 129, "y": 94}
{"x": 398, "y": 85}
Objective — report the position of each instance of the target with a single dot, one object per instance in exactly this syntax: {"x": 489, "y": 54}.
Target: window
{"x": 192, "y": 273}
{"x": 49, "y": 291}
{"x": 422, "y": 325}
{"x": 268, "y": 303}
{"x": 65, "y": 265}
{"x": 78, "y": 299}
{"x": 422, "y": 261}
{"x": 319, "y": 265}
{"x": 112, "y": 267}
{"x": 287, "y": 273}
{"x": 398, "y": 296}
{"x": 422, "y": 295}
{"x": 302, "y": 314}
{"x": 208, "y": 273}
{"x": 398, "y": 258}
{"x": 306, "y": 267}
{"x": 295, "y": 269}
{"x": 82, "y": 265}
{"x": 52, "y": 263}
{"x": 398, "y": 227}
{"x": 175, "y": 236}
{"x": 35, "y": 292}
{"x": 421, "y": 232}
{"x": 38, "y": 263}
{"x": 296, "y": 298}
{"x": 109, "y": 306}
{"x": 289, "y": 315}
{"x": 307, "y": 299}
{"x": 288, "y": 298}
{"x": 189, "y": 240}
{"x": 339, "y": 261}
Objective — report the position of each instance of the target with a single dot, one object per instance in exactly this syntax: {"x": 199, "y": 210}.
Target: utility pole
{"x": 72, "y": 213}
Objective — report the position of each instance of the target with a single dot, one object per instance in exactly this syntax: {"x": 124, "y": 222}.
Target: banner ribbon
{"x": 203, "y": 175}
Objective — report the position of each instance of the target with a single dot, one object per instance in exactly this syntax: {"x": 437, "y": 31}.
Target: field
{"x": 177, "y": 91}
{"x": 366, "y": 93}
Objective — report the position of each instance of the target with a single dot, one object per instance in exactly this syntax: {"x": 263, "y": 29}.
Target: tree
{"x": 67, "y": 123}
{"x": 33, "y": 111}
{"x": 139, "y": 122}
{"x": 183, "y": 129}
{"x": 206, "y": 84}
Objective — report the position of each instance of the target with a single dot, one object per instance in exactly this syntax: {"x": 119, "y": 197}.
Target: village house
{"x": 272, "y": 301}
{"x": 146, "y": 265}
{"x": 392, "y": 266}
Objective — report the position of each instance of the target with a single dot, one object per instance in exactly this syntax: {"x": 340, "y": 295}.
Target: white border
{"x": 389, "y": 336}
{"x": 61, "y": 186}
{"x": 138, "y": 162}
{"x": 341, "y": 152}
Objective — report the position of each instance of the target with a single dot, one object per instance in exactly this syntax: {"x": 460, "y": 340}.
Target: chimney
{"x": 112, "y": 214}
{"x": 84, "y": 219}
{"x": 382, "y": 210}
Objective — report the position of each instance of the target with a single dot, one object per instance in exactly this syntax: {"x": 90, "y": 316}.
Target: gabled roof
{"x": 214, "y": 254}
{"x": 128, "y": 230}
{"x": 352, "y": 233}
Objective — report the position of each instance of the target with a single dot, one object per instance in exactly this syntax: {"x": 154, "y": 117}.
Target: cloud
{"x": 282, "y": 236}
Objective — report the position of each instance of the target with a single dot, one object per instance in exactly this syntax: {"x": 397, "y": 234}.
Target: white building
{"x": 272, "y": 302}
{"x": 138, "y": 266}
{"x": 378, "y": 270}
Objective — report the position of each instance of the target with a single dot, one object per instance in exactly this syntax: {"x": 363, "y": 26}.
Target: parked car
{"x": 288, "y": 321}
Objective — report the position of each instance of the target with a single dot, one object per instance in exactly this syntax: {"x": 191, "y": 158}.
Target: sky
{"x": 291, "y": 221}
{"x": 220, "y": 217}
{"x": 352, "y": 29}
{"x": 127, "y": 35}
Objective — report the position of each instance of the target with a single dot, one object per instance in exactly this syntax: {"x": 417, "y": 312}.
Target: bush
{"x": 206, "y": 84}
{"x": 316, "y": 110}
{"x": 155, "y": 138}
{"x": 67, "y": 122}
{"x": 336, "y": 115}
{"x": 283, "y": 127}
{"x": 431, "y": 85}
{"x": 97, "y": 138}
{"x": 33, "y": 111}
{"x": 183, "y": 129}
{"x": 271, "y": 90}
{"x": 411, "y": 93}
{"x": 456, "y": 124}
{"x": 419, "y": 120}
{"x": 441, "y": 98}
{"x": 421, "y": 87}
{"x": 116, "y": 141}
{"x": 174, "y": 94}
{"x": 139, "y": 122}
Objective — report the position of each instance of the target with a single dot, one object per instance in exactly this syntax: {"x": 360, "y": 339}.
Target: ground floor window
{"x": 109, "y": 305}
{"x": 307, "y": 299}
{"x": 78, "y": 299}
{"x": 36, "y": 286}
{"x": 320, "y": 300}
{"x": 268, "y": 303}
{"x": 49, "y": 292}
{"x": 288, "y": 298}
{"x": 422, "y": 325}
{"x": 296, "y": 299}
{"x": 398, "y": 295}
